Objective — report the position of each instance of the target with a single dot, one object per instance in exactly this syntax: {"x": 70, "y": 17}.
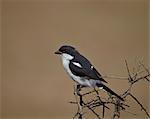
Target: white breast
{"x": 65, "y": 61}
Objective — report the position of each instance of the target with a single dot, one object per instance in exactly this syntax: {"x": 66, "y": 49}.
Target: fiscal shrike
{"x": 81, "y": 70}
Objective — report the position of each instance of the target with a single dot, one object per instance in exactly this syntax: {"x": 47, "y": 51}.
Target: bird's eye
{"x": 64, "y": 51}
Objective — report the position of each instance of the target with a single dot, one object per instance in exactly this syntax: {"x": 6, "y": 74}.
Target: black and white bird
{"x": 81, "y": 70}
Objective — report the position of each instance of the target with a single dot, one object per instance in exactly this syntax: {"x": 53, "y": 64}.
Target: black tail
{"x": 109, "y": 90}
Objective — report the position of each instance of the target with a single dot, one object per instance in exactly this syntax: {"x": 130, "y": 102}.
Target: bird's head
{"x": 66, "y": 51}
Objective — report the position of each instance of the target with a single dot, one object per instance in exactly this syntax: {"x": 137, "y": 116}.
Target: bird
{"x": 80, "y": 69}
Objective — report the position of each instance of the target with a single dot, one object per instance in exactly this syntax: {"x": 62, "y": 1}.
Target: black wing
{"x": 78, "y": 71}
{"x": 86, "y": 69}
{"x": 98, "y": 74}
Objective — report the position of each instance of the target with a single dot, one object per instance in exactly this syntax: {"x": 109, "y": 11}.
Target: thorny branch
{"x": 96, "y": 102}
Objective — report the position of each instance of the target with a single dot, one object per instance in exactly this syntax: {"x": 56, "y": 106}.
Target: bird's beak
{"x": 58, "y": 52}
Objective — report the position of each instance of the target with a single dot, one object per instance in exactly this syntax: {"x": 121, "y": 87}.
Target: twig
{"x": 142, "y": 107}
{"x": 115, "y": 77}
{"x": 146, "y": 69}
{"x": 101, "y": 102}
{"x": 92, "y": 110}
{"x": 79, "y": 111}
{"x": 143, "y": 77}
{"x": 130, "y": 78}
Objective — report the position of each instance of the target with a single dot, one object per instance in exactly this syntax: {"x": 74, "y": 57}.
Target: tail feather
{"x": 109, "y": 90}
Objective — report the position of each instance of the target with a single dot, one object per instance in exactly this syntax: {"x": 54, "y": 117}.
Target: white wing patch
{"x": 92, "y": 67}
{"x": 77, "y": 64}
{"x": 100, "y": 88}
